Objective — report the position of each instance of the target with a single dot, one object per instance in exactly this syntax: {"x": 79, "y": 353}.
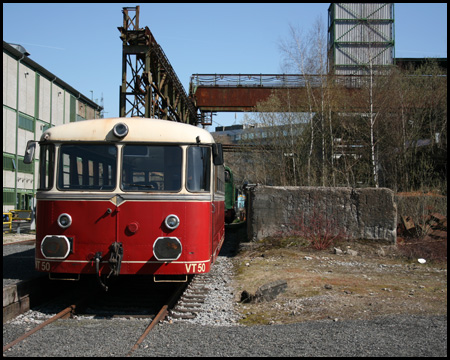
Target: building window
{"x": 26, "y": 123}
{"x": 8, "y": 163}
{"x": 9, "y": 197}
{"x": 25, "y": 168}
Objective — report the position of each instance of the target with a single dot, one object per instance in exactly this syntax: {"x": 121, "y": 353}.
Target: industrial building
{"x": 34, "y": 100}
{"x": 360, "y": 38}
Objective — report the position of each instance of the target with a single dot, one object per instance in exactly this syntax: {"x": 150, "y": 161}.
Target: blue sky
{"x": 80, "y": 43}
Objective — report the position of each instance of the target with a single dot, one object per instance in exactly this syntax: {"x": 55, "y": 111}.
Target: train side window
{"x": 198, "y": 168}
{"x": 220, "y": 180}
{"x": 46, "y": 166}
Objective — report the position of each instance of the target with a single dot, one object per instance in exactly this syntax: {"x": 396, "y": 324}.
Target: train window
{"x": 198, "y": 168}
{"x": 87, "y": 167}
{"x": 46, "y": 166}
{"x": 220, "y": 180}
{"x": 151, "y": 168}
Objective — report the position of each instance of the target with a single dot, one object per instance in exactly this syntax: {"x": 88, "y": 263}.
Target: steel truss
{"x": 150, "y": 86}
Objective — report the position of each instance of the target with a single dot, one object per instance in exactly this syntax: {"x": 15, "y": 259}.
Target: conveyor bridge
{"x": 242, "y": 92}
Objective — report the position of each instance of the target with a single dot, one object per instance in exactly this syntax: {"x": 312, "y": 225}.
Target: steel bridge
{"x": 242, "y": 92}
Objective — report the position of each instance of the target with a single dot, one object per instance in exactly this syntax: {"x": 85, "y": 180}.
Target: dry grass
{"x": 377, "y": 281}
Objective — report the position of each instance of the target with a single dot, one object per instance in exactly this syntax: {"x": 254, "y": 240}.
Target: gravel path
{"x": 387, "y": 336}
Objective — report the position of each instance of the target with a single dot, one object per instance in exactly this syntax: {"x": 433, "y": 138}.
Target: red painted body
{"x": 135, "y": 224}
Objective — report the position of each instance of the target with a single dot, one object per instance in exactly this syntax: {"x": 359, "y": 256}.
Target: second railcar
{"x": 230, "y": 196}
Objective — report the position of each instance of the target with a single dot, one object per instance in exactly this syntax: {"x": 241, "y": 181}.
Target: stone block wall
{"x": 367, "y": 213}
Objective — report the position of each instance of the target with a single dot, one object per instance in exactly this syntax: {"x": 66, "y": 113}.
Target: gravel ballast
{"x": 218, "y": 307}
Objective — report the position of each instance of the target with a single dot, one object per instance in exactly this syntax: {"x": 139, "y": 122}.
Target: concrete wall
{"x": 363, "y": 213}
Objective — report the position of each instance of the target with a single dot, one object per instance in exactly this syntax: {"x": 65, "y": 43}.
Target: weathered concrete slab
{"x": 266, "y": 292}
{"x": 367, "y": 213}
{"x": 270, "y": 291}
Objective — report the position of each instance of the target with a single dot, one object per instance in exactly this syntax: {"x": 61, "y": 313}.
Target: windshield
{"x": 151, "y": 168}
{"x": 87, "y": 167}
{"x": 148, "y": 168}
{"x": 198, "y": 168}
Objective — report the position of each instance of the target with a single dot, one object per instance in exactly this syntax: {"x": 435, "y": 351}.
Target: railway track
{"x": 119, "y": 302}
{"x": 159, "y": 317}
{"x": 61, "y": 315}
{"x": 190, "y": 302}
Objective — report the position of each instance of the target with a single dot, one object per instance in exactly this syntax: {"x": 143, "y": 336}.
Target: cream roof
{"x": 140, "y": 129}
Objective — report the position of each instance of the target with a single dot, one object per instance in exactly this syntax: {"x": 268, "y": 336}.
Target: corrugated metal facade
{"x": 360, "y": 35}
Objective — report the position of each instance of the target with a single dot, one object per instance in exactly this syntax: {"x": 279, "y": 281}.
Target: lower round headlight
{"x": 64, "y": 220}
{"x": 172, "y": 222}
{"x": 167, "y": 248}
{"x": 55, "y": 247}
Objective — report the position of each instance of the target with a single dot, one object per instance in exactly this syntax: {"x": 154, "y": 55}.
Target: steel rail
{"x": 61, "y": 314}
{"x": 160, "y": 316}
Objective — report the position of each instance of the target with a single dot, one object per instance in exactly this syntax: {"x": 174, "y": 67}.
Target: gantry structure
{"x": 150, "y": 86}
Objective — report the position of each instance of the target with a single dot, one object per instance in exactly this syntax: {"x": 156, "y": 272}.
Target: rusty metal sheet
{"x": 246, "y": 97}
{"x": 230, "y": 97}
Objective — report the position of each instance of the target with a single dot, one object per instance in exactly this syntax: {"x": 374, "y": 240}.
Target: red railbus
{"x": 125, "y": 196}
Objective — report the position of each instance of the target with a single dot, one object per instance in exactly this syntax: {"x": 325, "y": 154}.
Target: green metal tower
{"x": 360, "y": 38}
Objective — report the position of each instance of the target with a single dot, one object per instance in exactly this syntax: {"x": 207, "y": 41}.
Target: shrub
{"x": 424, "y": 247}
{"x": 319, "y": 231}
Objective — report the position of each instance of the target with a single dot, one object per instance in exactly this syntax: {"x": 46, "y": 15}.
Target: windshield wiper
{"x": 150, "y": 186}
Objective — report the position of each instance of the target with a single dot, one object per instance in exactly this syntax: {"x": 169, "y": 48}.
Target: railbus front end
{"x": 129, "y": 196}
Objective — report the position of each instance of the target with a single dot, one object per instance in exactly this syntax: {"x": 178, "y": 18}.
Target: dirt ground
{"x": 13, "y": 237}
{"x": 376, "y": 280}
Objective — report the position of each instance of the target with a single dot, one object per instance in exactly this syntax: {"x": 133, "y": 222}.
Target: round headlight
{"x": 120, "y": 130}
{"x": 55, "y": 247}
{"x": 172, "y": 222}
{"x": 64, "y": 220}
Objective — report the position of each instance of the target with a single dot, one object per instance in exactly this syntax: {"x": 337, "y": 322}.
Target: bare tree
{"x": 414, "y": 140}
{"x": 307, "y": 55}
{"x": 390, "y": 131}
{"x": 277, "y": 126}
